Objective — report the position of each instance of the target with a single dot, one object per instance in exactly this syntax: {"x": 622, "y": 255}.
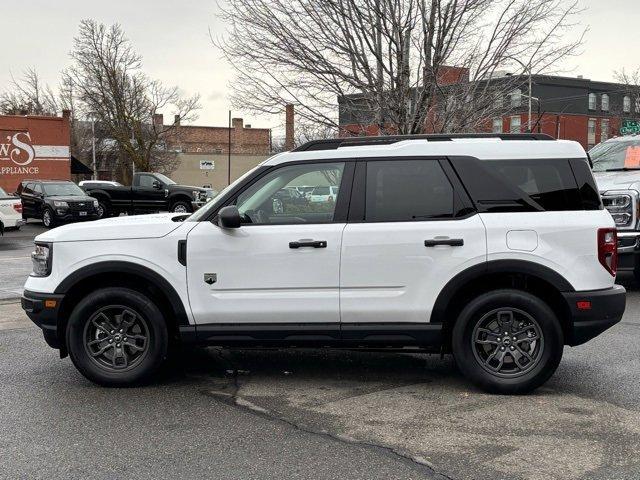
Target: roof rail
{"x": 335, "y": 143}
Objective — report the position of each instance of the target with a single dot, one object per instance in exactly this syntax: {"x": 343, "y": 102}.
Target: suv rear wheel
{"x": 117, "y": 337}
{"x": 507, "y": 341}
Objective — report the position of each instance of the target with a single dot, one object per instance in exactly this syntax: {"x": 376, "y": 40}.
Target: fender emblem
{"x": 210, "y": 278}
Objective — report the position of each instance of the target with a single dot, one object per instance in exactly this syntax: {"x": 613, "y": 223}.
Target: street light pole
{"x": 527, "y": 68}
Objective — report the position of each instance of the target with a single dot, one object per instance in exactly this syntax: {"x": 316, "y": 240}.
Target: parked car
{"x": 497, "y": 251}
{"x": 10, "y": 212}
{"x": 616, "y": 168}
{"x": 323, "y": 194}
{"x": 150, "y": 192}
{"x": 56, "y": 202}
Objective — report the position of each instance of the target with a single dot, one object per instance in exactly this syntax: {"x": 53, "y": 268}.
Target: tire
{"x": 495, "y": 362}
{"x": 104, "y": 209}
{"x": 94, "y": 334}
{"x": 48, "y": 218}
{"x": 181, "y": 206}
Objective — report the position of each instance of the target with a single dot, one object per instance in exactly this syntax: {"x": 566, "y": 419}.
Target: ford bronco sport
{"x": 495, "y": 248}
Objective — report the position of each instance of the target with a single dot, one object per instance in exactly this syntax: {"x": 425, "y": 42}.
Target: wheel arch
{"x": 179, "y": 197}
{"x": 523, "y": 275}
{"x": 122, "y": 274}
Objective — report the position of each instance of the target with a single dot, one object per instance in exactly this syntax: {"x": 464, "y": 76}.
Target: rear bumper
{"x": 606, "y": 309}
{"x": 44, "y": 315}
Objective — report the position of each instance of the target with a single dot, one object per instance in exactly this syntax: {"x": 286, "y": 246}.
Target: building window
{"x": 604, "y": 129}
{"x": 497, "y": 125}
{"x": 637, "y": 104}
{"x": 605, "y": 102}
{"x": 591, "y": 132}
{"x": 516, "y": 98}
{"x": 592, "y": 101}
{"x": 626, "y": 104}
{"x": 514, "y": 126}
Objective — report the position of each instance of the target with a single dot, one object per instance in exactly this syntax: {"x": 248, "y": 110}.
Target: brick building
{"x": 579, "y": 109}
{"x": 203, "y": 152}
{"x": 34, "y": 147}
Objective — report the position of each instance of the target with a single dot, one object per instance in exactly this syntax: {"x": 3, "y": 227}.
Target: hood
{"x": 71, "y": 198}
{"x": 185, "y": 187}
{"x": 616, "y": 180}
{"x": 118, "y": 228}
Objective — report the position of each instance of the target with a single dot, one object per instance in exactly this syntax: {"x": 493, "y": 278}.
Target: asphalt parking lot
{"x": 312, "y": 413}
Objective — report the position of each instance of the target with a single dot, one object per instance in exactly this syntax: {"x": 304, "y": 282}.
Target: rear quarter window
{"x": 526, "y": 185}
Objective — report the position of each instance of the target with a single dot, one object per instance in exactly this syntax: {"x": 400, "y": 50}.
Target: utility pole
{"x": 93, "y": 146}
{"x": 229, "y": 155}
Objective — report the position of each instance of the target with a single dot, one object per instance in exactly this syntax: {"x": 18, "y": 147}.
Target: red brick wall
{"x": 245, "y": 141}
{"x": 33, "y": 147}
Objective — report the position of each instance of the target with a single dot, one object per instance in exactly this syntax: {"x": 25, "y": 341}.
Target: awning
{"x": 79, "y": 168}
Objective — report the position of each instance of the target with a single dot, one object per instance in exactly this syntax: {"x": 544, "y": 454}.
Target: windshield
{"x": 164, "y": 179}
{"x": 619, "y": 154}
{"x": 204, "y": 211}
{"x": 60, "y": 189}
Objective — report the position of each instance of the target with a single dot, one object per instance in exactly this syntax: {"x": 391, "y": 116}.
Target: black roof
{"x": 335, "y": 143}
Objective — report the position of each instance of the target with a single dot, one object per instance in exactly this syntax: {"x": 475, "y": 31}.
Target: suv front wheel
{"x": 117, "y": 337}
{"x": 507, "y": 341}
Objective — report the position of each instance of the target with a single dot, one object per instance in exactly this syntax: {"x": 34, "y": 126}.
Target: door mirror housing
{"x": 229, "y": 217}
{"x": 157, "y": 185}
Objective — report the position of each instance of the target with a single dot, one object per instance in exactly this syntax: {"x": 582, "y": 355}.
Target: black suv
{"x": 56, "y": 201}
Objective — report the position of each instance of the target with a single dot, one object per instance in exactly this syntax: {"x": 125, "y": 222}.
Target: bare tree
{"x": 28, "y": 95}
{"x": 387, "y": 59}
{"x": 107, "y": 80}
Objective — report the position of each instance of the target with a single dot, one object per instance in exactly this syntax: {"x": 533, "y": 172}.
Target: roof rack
{"x": 335, "y": 143}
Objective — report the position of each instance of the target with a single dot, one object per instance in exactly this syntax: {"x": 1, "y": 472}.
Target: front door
{"x": 411, "y": 235}
{"x": 283, "y": 264}
{"x": 149, "y": 193}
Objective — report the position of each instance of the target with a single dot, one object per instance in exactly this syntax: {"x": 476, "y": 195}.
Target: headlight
{"x": 95, "y": 204}
{"x": 41, "y": 259}
{"x": 59, "y": 204}
{"x": 620, "y": 206}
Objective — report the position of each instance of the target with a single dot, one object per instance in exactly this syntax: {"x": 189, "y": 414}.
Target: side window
{"x": 37, "y": 188}
{"x": 407, "y": 191}
{"x": 28, "y": 188}
{"x": 292, "y": 194}
{"x": 145, "y": 181}
{"x": 520, "y": 185}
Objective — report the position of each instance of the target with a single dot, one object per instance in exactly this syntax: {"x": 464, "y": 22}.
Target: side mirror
{"x": 157, "y": 185}
{"x": 229, "y": 217}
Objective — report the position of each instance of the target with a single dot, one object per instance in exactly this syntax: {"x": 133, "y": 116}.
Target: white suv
{"x": 495, "y": 248}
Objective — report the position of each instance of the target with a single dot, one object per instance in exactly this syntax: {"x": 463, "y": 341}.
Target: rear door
{"x": 409, "y": 233}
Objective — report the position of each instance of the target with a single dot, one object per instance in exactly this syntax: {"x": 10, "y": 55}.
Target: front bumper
{"x": 73, "y": 216}
{"x": 628, "y": 250}
{"x": 606, "y": 309}
{"x": 44, "y": 310}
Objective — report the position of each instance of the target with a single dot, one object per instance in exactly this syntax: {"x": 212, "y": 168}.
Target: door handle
{"x": 452, "y": 242}
{"x": 308, "y": 243}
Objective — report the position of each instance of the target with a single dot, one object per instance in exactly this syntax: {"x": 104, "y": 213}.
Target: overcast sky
{"x": 173, "y": 38}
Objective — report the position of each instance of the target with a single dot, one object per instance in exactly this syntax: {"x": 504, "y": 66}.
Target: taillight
{"x": 608, "y": 249}
{"x": 17, "y": 207}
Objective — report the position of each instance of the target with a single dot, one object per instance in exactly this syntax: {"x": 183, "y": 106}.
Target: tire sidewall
{"x": 180, "y": 202}
{"x": 539, "y": 310}
{"x": 87, "y": 307}
{"x": 52, "y": 221}
{"x": 105, "y": 209}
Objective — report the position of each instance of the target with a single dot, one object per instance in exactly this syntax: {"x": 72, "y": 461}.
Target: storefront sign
{"x": 207, "y": 165}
